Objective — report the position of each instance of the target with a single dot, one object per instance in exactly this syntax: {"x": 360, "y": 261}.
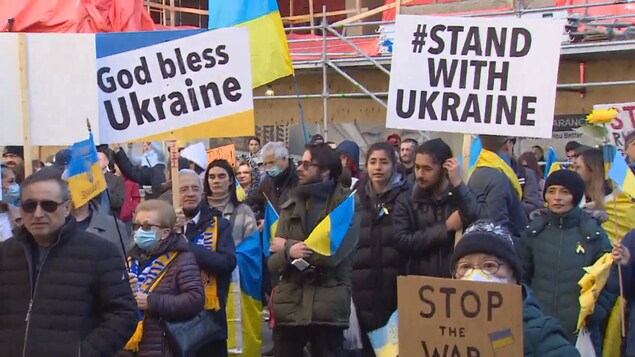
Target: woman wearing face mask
{"x": 220, "y": 188}
{"x": 165, "y": 277}
{"x": 614, "y": 209}
{"x": 486, "y": 254}
{"x": 559, "y": 242}
{"x": 9, "y": 212}
{"x": 377, "y": 263}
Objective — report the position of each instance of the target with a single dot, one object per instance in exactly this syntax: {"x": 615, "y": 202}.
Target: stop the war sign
{"x": 474, "y": 75}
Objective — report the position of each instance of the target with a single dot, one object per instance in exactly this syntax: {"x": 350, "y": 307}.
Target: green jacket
{"x": 320, "y": 295}
{"x": 554, "y": 250}
{"x": 543, "y": 334}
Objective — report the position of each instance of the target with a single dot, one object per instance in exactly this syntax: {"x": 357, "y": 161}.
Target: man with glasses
{"x": 279, "y": 180}
{"x": 64, "y": 292}
{"x": 312, "y": 300}
{"x": 210, "y": 239}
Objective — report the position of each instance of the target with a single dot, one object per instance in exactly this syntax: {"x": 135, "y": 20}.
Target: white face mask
{"x": 479, "y": 275}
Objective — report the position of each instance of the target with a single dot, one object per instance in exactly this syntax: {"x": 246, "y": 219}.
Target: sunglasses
{"x": 146, "y": 226}
{"x": 29, "y": 206}
{"x": 306, "y": 164}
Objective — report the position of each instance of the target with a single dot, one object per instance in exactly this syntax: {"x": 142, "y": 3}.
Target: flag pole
{"x": 112, "y": 213}
{"x": 619, "y": 271}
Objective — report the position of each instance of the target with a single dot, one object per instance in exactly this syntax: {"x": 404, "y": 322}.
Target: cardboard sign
{"x": 445, "y": 317}
{"x": 227, "y": 152}
{"x": 624, "y": 124}
{"x": 474, "y": 75}
{"x": 170, "y": 85}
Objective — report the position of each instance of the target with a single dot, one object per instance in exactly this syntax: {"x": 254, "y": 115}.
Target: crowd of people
{"x": 109, "y": 277}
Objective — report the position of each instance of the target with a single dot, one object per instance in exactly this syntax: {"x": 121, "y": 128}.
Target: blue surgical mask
{"x": 479, "y": 275}
{"x": 145, "y": 239}
{"x": 274, "y": 171}
{"x": 13, "y": 193}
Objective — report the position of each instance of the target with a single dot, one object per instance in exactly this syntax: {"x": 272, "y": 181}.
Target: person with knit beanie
{"x": 486, "y": 253}
{"x": 556, "y": 247}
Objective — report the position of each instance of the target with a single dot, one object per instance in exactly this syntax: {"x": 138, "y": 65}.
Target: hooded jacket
{"x": 377, "y": 262}
{"x": 78, "y": 304}
{"x": 554, "y": 250}
{"x": 420, "y": 231}
{"x": 276, "y": 189}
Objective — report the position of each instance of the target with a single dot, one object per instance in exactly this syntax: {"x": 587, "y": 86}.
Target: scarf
{"x": 149, "y": 278}
{"x": 494, "y": 161}
{"x": 218, "y": 203}
{"x": 209, "y": 240}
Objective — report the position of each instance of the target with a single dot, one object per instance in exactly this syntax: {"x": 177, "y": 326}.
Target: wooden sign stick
{"x": 174, "y": 172}
{"x": 26, "y": 104}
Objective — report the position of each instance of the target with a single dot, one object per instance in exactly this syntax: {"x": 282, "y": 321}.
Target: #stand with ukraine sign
{"x": 445, "y": 317}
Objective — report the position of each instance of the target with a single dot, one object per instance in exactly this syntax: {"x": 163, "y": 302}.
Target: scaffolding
{"x": 589, "y": 36}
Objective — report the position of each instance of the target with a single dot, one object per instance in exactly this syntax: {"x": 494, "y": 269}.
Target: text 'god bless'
{"x": 176, "y": 103}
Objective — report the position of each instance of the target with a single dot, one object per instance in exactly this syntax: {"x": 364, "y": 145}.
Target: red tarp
{"x": 311, "y": 48}
{"x": 75, "y": 16}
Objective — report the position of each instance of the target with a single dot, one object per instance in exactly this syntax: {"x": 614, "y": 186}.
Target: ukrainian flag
{"x": 245, "y": 308}
{"x": 622, "y": 175}
{"x": 270, "y": 57}
{"x": 385, "y": 340}
{"x": 240, "y": 192}
{"x": 552, "y": 162}
{"x": 270, "y": 227}
{"x": 329, "y": 234}
{"x": 85, "y": 179}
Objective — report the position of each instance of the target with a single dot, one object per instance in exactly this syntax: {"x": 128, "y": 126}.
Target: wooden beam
{"x": 172, "y": 14}
{"x": 312, "y": 19}
{"x": 358, "y": 7}
{"x": 306, "y": 18}
{"x": 398, "y": 7}
{"x": 369, "y": 13}
{"x": 25, "y": 102}
{"x": 186, "y": 10}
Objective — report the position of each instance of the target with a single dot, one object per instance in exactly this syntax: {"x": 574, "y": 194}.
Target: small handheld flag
{"x": 327, "y": 237}
{"x": 552, "y": 162}
{"x": 270, "y": 227}
{"x": 240, "y": 192}
{"x": 385, "y": 340}
{"x": 622, "y": 175}
{"x": 85, "y": 178}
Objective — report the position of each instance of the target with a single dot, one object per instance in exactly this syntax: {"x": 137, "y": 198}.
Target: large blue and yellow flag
{"x": 85, "y": 179}
{"x": 270, "y": 227}
{"x": 327, "y": 237}
{"x": 552, "y": 162}
{"x": 385, "y": 340}
{"x": 622, "y": 175}
{"x": 270, "y": 57}
{"x": 245, "y": 301}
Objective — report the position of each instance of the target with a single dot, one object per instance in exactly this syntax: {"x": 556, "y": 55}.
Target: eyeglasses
{"x": 489, "y": 266}
{"x": 305, "y": 164}
{"x": 146, "y": 226}
{"x": 29, "y": 206}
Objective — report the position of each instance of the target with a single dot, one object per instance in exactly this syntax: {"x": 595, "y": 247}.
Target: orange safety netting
{"x": 75, "y": 16}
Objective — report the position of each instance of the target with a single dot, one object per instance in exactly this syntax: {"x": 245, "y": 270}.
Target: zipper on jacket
{"x": 27, "y": 319}
{"x": 559, "y": 266}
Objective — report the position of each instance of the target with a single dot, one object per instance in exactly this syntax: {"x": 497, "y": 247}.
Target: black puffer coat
{"x": 420, "y": 231}
{"x": 377, "y": 262}
{"x": 81, "y": 304}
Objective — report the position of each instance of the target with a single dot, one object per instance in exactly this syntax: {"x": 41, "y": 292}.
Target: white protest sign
{"x": 474, "y": 75}
{"x": 622, "y": 125}
{"x": 61, "y": 88}
{"x": 175, "y": 84}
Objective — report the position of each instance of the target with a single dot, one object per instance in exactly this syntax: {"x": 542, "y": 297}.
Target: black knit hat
{"x": 488, "y": 238}
{"x": 569, "y": 180}
{"x": 14, "y": 150}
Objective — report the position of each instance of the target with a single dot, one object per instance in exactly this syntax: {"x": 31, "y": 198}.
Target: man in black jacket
{"x": 199, "y": 220}
{"x": 64, "y": 292}
{"x": 441, "y": 204}
{"x": 143, "y": 175}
